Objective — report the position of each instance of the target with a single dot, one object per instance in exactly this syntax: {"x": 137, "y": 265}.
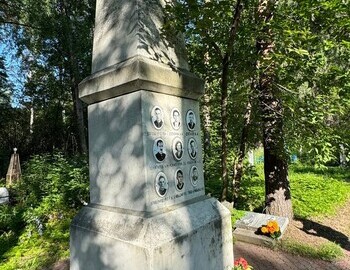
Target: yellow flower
{"x": 272, "y": 226}
{"x": 264, "y": 229}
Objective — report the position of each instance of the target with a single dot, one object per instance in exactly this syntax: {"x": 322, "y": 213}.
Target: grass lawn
{"x": 314, "y": 192}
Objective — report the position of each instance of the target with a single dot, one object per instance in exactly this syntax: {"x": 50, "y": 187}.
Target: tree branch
{"x": 234, "y": 27}
{"x": 18, "y": 24}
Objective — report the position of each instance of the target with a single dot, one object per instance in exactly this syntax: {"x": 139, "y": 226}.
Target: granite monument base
{"x": 195, "y": 235}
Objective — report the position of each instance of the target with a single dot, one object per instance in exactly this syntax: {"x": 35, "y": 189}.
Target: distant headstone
{"x": 247, "y": 227}
{"x": 251, "y": 157}
{"x": 148, "y": 208}
{"x": 342, "y": 156}
{"x": 4, "y": 195}
{"x": 14, "y": 169}
{"x": 228, "y": 205}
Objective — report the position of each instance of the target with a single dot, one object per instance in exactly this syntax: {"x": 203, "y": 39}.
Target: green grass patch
{"x": 37, "y": 252}
{"x": 318, "y": 193}
{"x": 236, "y": 215}
{"x": 315, "y": 192}
{"x": 327, "y": 251}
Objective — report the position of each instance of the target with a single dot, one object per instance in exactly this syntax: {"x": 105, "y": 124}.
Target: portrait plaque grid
{"x": 176, "y": 123}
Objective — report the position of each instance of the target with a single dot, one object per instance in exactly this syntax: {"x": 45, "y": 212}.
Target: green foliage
{"x": 312, "y": 55}
{"x": 10, "y": 218}
{"x": 53, "y": 40}
{"x": 315, "y": 192}
{"x": 328, "y": 251}
{"x": 36, "y": 252}
{"x": 236, "y": 215}
{"x": 251, "y": 196}
{"x": 35, "y": 228}
{"x": 51, "y": 185}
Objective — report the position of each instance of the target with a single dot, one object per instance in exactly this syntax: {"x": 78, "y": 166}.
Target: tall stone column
{"x": 148, "y": 208}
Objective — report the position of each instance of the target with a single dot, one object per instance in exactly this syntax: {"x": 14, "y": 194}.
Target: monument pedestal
{"x": 186, "y": 237}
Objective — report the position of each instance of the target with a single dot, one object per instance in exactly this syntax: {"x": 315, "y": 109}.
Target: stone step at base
{"x": 249, "y": 236}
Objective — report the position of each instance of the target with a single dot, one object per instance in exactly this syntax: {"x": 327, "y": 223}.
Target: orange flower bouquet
{"x": 241, "y": 264}
{"x": 271, "y": 229}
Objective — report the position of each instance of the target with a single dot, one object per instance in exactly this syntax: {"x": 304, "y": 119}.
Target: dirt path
{"x": 319, "y": 231}
{"x": 262, "y": 258}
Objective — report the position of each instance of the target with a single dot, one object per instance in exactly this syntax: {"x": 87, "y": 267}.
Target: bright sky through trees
{"x": 16, "y": 76}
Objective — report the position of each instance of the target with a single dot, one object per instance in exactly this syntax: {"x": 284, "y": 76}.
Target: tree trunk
{"x": 224, "y": 124}
{"x": 206, "y": 117}
{"x": 224, "y": 96}
{"x": 277, "y": 189}
{"x": 75, "y": 79}
{"x": 206, "y": 113}
{"x": 238, "y": 166}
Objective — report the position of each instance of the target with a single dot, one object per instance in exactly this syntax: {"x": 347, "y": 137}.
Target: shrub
{"x": 35, "y": 227}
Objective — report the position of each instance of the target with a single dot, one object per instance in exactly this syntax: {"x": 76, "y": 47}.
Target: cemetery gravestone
{"x": 4, "y": 196}
{"x": 248, "y": 225}
{"x": 148, "y": 208}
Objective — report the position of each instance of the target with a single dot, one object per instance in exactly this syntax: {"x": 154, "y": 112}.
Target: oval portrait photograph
{"x": 175, "y": 118}
{"x": 192, "y": 148}
{"x": 178, "y": 148}
{"x": 194, "y": 175}
{"x": 161, "y": 184}
{"x": 159, "y": 150}
{"x": 179, "y": 180}
{"x": 157, "y": 117}
{"x": 190, "y": 120}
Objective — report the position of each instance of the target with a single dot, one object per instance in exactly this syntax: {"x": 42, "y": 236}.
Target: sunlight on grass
{"x": 327, "y": 251}
{"x": 315, "y": 193}
{"x": 35, "y": 252}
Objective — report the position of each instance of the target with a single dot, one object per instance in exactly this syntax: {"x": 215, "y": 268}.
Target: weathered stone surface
{"x": 252, "y": 221}
{"x": 139, "y": 73}
{"x": 248, "y": 236}
{"x": 122, "y": 165}
{"x": 128, "y": 28}
{"x": 187, "y": 238}
{"x": 4, "y": 195}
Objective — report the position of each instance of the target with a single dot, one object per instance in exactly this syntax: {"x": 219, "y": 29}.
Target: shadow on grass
{"x": 319, "y": 230}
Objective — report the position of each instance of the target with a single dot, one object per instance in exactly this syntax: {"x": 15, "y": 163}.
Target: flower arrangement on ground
{"x": 241, "y": 264}
{"x": 271, "y": 229}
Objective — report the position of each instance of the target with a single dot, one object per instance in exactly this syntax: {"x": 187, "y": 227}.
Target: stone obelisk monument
{"x": 14, "y": 169}
{"x": 148, "y": 208}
